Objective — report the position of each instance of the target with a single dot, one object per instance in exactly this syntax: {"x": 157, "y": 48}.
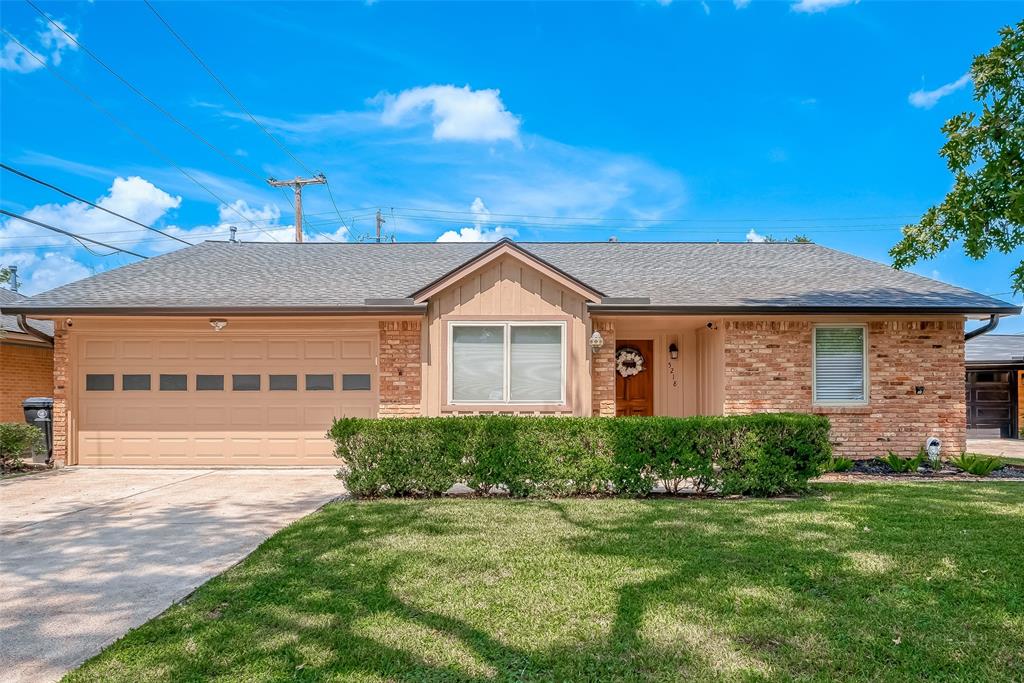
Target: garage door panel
{"x": 356, "y": 349}
{"x": 320, "y": 349}
{"x": 221, "y": 427}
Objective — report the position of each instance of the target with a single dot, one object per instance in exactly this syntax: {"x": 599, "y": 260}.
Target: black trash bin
{"x": 39, "y": 412}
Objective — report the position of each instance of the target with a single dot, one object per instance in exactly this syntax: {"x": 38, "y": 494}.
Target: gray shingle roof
{"x": 9, "y": 323}
{"x": 996, "y": 348}
{"x": 699, "y": 276}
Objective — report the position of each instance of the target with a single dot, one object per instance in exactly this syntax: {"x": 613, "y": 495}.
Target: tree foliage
{"x": 5, "y": 274}
{"x": 985, "y": 153}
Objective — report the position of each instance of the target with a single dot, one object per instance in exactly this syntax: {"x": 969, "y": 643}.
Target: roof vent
{"x": 234, "y": 235}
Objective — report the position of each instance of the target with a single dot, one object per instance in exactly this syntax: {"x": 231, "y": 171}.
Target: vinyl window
{"x": 840, "y": 369}
{"x": 506, "y": 362}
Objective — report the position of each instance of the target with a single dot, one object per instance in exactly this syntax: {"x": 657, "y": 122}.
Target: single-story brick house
{"x": 995, "y": 382}
{"x": 26, "y": 359}
{"x": 227, "y": 353}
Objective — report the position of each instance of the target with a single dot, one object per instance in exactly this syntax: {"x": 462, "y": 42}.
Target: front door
{"x": 634, "y": 393}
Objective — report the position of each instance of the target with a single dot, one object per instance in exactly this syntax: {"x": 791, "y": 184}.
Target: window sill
{"x": 841, "y": 408}
{"x": 508, "y": 408}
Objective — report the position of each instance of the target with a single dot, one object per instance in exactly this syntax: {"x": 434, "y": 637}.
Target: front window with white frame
{"x": 506, "y": 362}
{"x": 840, "y": 369}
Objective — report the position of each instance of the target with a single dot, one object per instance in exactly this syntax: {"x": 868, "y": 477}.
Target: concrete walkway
{"x": 87, "y": 554}
{"x": 1010, "y": 448}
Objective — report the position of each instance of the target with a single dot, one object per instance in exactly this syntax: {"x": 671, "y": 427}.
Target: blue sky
{"x": 643, "y": 121}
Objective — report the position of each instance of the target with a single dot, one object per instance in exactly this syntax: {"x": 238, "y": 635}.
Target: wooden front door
{"x": 635, "y": 395}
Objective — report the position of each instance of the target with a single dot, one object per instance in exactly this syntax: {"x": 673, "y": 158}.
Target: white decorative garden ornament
{"x": 629, "y": 362}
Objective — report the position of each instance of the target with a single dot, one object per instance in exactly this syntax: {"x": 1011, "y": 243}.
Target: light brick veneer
{"x": 61, "y": 375}
{"x": 768, "y": 369}
{"x": 602, "y": 374}
{"x": 25, "y": 370}
{"x": 400, "y": 368}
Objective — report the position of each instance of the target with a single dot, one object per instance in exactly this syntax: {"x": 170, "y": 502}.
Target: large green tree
{"x": 5, "y": 274}
{"x": 985, "y": 153}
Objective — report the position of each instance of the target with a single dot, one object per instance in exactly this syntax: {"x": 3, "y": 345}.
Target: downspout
{"x": 993, "y": 323}
{"x": 28, "y": 329}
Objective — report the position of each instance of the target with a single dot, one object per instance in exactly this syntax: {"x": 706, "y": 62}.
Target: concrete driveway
{"x": 87, "y": 554}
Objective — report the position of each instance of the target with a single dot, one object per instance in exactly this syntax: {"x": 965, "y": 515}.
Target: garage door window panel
{"x": 355, "y": 382}
{"x": 99, "y": 382}
{"x": 284, "y": 383}
{"x": 135, "y": 383}
{"x": 209, "y": 382}
{"x": 320, "y": 382}
{"x": 245, "y": 382}
{"x": 173, "y": 382}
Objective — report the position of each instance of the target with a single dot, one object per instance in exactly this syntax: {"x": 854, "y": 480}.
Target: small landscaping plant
{"x": 901, "y": 465}
{"x": 18, "y": 440}
{"x": 980, "y": 465}
{"x": 838, "y": 465}
{"x": 759, "y": 455}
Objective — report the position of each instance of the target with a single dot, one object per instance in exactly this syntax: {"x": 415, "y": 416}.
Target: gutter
{"x": 404, "y": 309}
{"x": 625, "y": 309}
{"x": 993, "y": 323}
{"x": 29, "y": 330}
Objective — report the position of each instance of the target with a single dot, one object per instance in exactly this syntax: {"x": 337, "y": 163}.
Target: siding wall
{"x": 507, "y": 288}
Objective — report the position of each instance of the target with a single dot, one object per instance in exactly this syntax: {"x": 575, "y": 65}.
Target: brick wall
{"x": 61, "y": 375}
{"x": 400, "y": 368}
{"x": 24, "y": 371}
{"x": 602, "y": 372}
{"x": 768, "y": 369}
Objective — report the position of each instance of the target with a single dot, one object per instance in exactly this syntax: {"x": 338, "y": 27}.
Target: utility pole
{"x": 319, "y": 179}
{"x": 380, "y": 222}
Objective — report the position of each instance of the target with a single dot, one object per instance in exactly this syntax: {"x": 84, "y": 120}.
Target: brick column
{"x": 61, "y": 378}
{"x": 602, "y": 372}
{"x": 400, "y": 368}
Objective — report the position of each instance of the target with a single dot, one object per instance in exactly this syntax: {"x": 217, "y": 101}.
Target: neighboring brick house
{"x": 242, "y": 354}
{"x": 26, "y": 360}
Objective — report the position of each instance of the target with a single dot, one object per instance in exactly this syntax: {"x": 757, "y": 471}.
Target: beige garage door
{"x": 229, "y": 400}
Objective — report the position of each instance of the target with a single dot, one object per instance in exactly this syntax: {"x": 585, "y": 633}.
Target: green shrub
{"x": 901, "y": 465}
{"x": 562, "y": 456}
{"x": 838, "y": 465}
{"x": 981, "y": 465}
{"x": 17, "y": 440}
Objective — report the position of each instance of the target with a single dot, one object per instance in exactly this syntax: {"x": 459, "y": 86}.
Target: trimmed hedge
{"x": 763, "y": 455}
{"x": 18, "y": 440}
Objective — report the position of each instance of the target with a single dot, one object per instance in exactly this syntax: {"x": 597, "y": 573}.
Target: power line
{"x": 128, "y": 129}
{"x": 86, "y": 201}
{"x": 226, "y": 89}
{"x": 72, "y": 235}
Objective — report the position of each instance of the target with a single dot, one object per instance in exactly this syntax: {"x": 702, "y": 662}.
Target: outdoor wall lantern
{"x": 673, "y": 351}
{"x": 596, "y": 340}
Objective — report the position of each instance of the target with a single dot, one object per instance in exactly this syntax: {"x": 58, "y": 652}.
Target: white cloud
{"x": 133, "y": 197}
{"x": 479, "y": 232}
{"x": 818, "y": 6}
{"x": 52, "y": 44}
{"x": 740, "y": 4}
{"x": 38, "y": 273}
{"x": 457, "y": 113}
{"x": 754, "y": 236}
{"x": 706, "y": 7}
{"x": 926, "y": 99}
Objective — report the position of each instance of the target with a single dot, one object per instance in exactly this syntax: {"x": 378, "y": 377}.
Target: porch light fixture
{"x": 218, "y": 324}
{"x": 673, "y": 351}
{"x": 596, "y": 340}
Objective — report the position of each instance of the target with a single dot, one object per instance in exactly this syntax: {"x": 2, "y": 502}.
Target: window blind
{"x": 839, "y": 364}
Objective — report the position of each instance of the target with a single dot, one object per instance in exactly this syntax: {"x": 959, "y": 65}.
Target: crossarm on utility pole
{"x": 296, "y": 185}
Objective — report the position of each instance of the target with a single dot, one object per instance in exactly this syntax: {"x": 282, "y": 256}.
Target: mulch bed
{"x": 878, "y": 469}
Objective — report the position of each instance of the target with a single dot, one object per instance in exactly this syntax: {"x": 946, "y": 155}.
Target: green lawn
{"x": 856, "y": 582}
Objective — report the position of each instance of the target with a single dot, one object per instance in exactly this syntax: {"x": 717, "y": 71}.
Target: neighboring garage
{"x": 995, "y": 380}
{"x": 187, "y": 394}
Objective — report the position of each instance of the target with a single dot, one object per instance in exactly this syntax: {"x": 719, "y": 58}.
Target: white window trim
{"x": 814, "y": 366}
{"x": 507, "y": 354}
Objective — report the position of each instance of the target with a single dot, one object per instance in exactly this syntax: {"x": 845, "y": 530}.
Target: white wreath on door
{"x": 629, "y": 362}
